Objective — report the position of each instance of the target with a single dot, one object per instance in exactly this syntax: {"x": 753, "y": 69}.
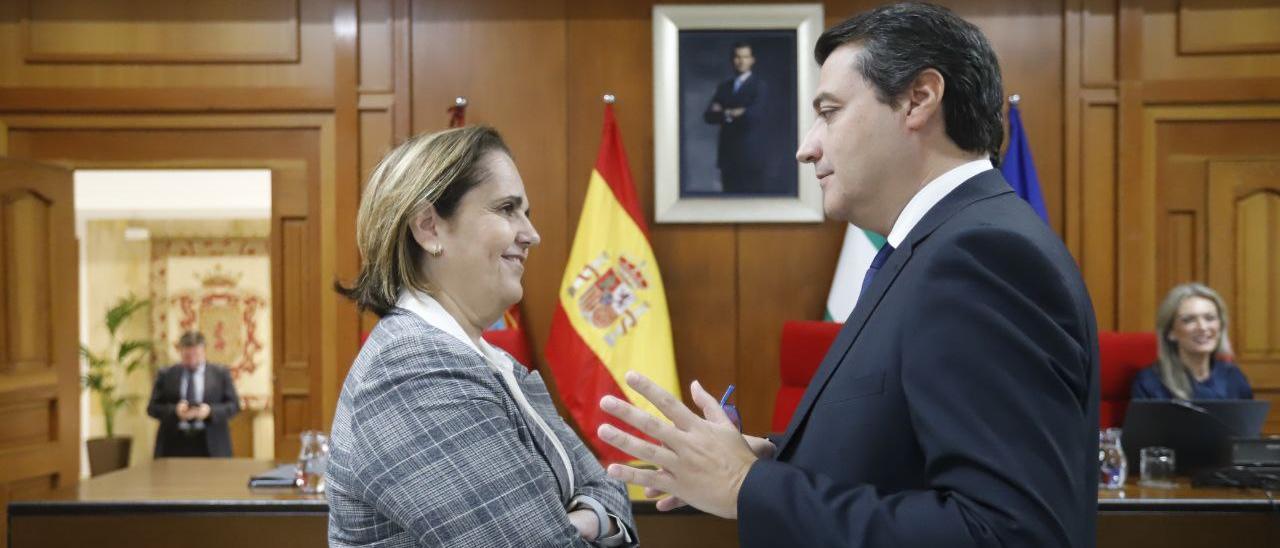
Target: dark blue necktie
{"x": 881, "y": 257}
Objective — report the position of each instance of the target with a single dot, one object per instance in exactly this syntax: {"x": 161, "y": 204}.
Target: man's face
{"x": 855, "y": 143}
{"x": 743, "y": 60}
{"x": 192, "y": 356}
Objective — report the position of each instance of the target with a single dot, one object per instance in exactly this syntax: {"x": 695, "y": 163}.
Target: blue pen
{"x": 731, "y": 409}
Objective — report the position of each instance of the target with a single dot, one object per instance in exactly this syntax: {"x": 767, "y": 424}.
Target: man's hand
{"x": 183, "y": 411}
{"x": 202, "y": 412}
{"x": 702, "y": 461}
{"x": 585, "y": 521}
{"x": 763, "y": 449}
{"x": 715, "y": 107}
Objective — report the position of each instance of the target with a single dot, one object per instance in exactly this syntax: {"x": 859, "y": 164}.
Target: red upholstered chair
{"x": 1122, "y": 356}
{"x": 804, "y": 344}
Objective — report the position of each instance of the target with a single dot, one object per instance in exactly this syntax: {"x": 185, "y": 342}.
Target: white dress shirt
{"x": 930, "y": 195}
{"x": 196, "y": 394}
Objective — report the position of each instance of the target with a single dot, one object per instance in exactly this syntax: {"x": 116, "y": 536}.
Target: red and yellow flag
{"x": 612, "y": 312}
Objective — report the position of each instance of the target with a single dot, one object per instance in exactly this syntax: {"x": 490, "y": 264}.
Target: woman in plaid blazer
{"x": 440, "y": 439}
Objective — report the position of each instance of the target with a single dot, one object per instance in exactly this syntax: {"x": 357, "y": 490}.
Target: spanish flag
{"x": 612, "y": 313}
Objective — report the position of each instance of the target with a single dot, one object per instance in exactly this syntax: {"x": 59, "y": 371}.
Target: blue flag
{"x": 1018, "y": 167}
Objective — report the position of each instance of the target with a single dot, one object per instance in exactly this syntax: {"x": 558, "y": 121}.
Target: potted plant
{"x": 106, "y": 376}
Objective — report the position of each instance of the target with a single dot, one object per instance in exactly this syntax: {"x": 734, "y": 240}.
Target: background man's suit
{"x": 743, "y": 152}
{"x": 959, "y": 404}
{"x": 219, "y": 393}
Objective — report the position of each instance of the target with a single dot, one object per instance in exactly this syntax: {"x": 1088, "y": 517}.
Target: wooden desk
{"x": 196, "y": 503}
{"x": 193, "y": 503}
{"x": 1187, "y": 516}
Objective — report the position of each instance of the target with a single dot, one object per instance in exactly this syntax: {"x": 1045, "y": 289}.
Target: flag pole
{"x": 458, "y": 112}
{"x": 609, "y": 98}
{"x": 1015, "y": 99}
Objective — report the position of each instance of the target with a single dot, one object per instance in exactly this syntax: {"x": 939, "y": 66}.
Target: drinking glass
{"x": 313, "y": 460}
{"x": 1157, "y": 467}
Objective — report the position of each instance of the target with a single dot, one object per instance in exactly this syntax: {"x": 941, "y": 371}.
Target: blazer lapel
{"x": 210, "y": 383}
{"x": 174, "y": 383}
{"x": 981, "y": 186}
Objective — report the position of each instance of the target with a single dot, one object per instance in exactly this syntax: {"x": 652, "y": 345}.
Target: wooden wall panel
{"x": 377, "y": 44}
{"x": 26, "y": 423}
{"x": 1097, "y": 218}
{"x": 1218, "y": 30}
{"x": 27, "y": 261}
{"x": 510, "y": 59}
{"x": 161, "y": 31}
{"x": 235, "y": 55}
{"x": 1254, "y": 24}
{"x": 1098, "y": 43}
{"x": 1257, "y": 216}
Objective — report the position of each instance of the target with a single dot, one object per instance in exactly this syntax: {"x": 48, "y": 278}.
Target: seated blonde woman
{"x": 439, "y": 438}
{"x": 1191, "y": 330}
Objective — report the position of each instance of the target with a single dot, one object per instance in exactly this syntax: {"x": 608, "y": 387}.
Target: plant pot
{"x": 108, "y": 454}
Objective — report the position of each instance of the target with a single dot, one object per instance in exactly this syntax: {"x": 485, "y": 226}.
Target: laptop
{"x": 1198, "y": 431}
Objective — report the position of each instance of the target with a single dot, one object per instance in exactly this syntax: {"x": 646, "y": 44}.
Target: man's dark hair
{"x": 733, "y": 52}
{"x": 190, "y": 339}
{"x": 902, "y": 40}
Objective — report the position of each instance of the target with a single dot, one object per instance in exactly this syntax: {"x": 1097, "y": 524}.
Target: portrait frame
{"x": 673, "y": 203}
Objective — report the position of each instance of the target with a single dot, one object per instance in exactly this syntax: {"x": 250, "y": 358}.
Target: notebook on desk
{"x": 284, "y": 475}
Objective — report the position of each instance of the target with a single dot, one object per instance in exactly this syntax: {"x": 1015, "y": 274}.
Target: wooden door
{"x": 39, "y": 369}
{"x": 1216, "y": 181}
{"x": 1244, "y": 265}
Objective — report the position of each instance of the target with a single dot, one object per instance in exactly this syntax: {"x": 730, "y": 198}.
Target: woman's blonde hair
{"x": 428, "y": 169}
{"x": 1173, "y": 373}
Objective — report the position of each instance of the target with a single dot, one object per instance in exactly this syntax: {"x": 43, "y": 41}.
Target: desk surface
{"x": 221, "y": 485}
{"x": 1184, "y": 497}
{"x": 208, "y": 485}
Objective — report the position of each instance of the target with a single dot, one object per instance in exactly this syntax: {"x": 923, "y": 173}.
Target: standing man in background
{"x": 959, "y": 404}
{"x": 194, "y": 401}
{"x": 738, "y": 107}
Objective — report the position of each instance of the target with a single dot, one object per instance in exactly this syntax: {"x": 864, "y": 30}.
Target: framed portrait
{"x": 732, "y": 87}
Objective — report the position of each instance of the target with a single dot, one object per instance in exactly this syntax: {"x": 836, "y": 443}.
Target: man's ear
{"x": 425, "y": 226}
{"x": 924, "y": 98}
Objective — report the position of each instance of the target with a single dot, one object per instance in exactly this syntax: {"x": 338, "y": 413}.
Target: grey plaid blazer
{"x": 429, "y": 449}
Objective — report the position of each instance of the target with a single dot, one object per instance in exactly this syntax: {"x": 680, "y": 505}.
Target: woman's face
{"x": 1196, "y": 326}
{"x": 485, "y": 244}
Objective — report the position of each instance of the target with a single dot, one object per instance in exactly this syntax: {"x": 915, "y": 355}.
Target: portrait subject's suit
{"x": 742, "y": 153}
{"x": 957, "y": 407}
{"x": 219, "y": 393}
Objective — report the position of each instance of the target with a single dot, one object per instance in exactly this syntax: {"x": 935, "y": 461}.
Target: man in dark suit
{"x": 739, "y": 108}
{"x": 194, "y": 401}
{"x": 959, "y": 404}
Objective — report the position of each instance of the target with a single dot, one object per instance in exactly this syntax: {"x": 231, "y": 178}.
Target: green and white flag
{"x": 860, "y": 246}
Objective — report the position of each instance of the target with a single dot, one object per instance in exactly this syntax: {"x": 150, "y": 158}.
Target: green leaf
{"x": 131, "y": 347}
{"x": 122, "y": 311}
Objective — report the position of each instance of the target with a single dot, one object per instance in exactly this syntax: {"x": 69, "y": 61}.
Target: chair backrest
{"x": 804, "y": 344}
{"x": 1121, "y": 355}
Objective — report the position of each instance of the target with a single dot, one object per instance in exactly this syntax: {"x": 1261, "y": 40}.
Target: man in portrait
{"x": 739, "y": 107}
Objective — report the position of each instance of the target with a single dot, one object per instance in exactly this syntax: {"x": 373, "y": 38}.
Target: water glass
{"x": 1157, "y": 467}
{"x": 1112, "y": 466}
{"x": 313, "y": 461}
